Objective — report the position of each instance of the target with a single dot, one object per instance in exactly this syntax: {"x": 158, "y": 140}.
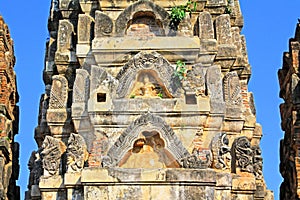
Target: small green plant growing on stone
{"x": 160, "y": 95}
{"x": 178, "y": 13}
{"x": 180, "y": 70}
{"x": 228, "y": 9}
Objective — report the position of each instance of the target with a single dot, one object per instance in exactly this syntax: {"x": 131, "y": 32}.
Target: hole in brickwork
{"x": 190, "y": 99}
{"x": 101, "y": 97}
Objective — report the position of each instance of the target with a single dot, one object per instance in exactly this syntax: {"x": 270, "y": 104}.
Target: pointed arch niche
{"x": 148, "y": 142}
{"x": 147, "y": 74}
{"x": 145, "y": 13}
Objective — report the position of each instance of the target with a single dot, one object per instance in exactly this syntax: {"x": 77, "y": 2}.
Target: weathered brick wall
{"x": 289, "y": 77}
{"x": 9, "y": 118}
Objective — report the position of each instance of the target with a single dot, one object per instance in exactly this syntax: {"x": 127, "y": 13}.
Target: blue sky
{"x": 268, "y": 25}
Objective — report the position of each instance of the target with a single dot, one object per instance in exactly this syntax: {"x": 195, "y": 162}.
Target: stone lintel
{"x": 114, "y": 4}
{"x": 146, "y": 176}
{"x": 117, "y": 49}
{"x": 191, "y": 118}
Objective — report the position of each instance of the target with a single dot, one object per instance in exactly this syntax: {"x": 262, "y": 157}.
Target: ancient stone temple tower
{"x": 9, "y": 118}
{"x": 142, "y": 102}
{"x": 289, "y": 80}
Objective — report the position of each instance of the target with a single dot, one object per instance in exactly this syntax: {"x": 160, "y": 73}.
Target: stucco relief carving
{"x": 59, "y": 92}
{"x": 199, "y": 159}
{"x": 149, "y": 123}
{"x": 232, "y": 89}
{"x": 221, "y": 151}
{"x": 242, "y": 155}
{"x": 81, "y": 86}
{"x": 65, "y": 32}
{"x": 257, "y": 162}
{"x": 151, "y": 63}
{"x": 92, "y": 192}
{"x": 76, "y": 153}
{"x": 195, "y": 81}
{"x": 52, "y": 150}
{"x": 103, "y": 24}
{"x": 101, "y": 78}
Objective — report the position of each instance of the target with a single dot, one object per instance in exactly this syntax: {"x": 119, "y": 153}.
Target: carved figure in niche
{"x": 173, "y": 147}
{"x": 76, "y": 153}
{"x": 153, "y": 64}
{"x": 145, "y": 88}
{"x": 242, "y": 155}
{"x": 221, "y": 151}
{"x": 257, "y": 162}
{"x": 148, "y": 152}
{"x": 35, "y": 168}
{"x": 199, "y": 159}
{"x": 52, "y": 150}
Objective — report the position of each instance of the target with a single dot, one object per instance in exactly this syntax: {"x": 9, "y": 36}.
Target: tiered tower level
{"x": 140, "y": 106}
{"x": 289, "y": 80}
{"x": 9, "y": 118}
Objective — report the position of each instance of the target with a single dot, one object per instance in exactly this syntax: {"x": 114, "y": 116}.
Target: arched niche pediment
{"x": 135, "y": 10}
{"x": 147, "y": 123}
{"x": 151, "y": 65}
